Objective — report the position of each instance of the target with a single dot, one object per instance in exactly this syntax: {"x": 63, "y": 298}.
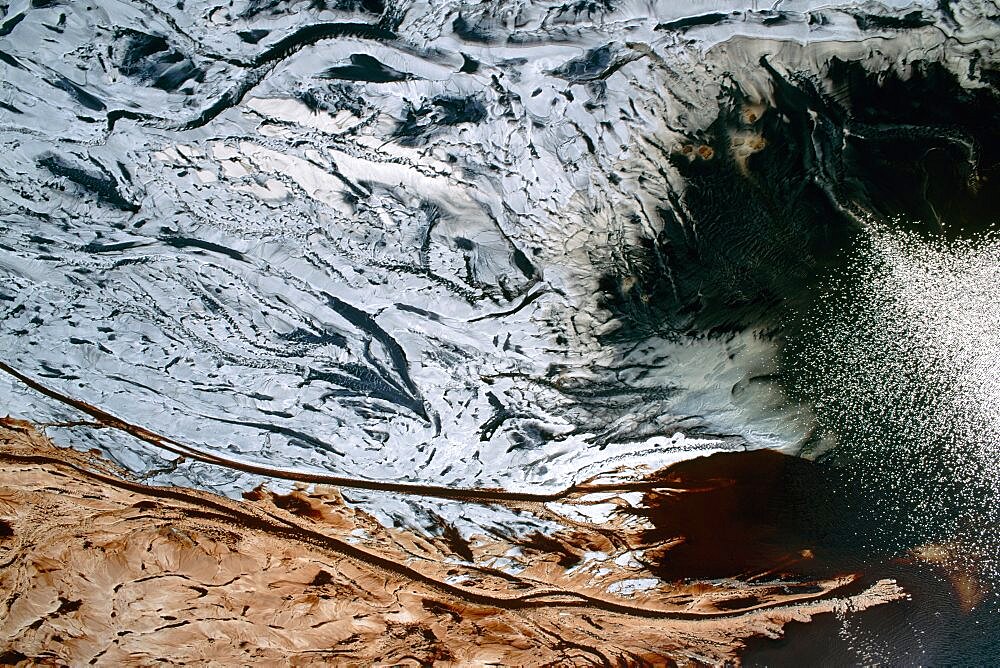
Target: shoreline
{"x": 80, "y": 533}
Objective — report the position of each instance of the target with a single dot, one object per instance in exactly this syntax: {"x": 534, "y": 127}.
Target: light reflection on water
{"x": 899, "y": 353}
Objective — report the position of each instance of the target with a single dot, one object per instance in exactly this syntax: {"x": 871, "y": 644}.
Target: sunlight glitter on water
{"x": 900, "y": 356}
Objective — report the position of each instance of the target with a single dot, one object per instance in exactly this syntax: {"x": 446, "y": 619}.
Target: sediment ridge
{"x": 101, "y": 568}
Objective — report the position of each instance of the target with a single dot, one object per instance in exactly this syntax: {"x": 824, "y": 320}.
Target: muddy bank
{"x": 101, "y": 567}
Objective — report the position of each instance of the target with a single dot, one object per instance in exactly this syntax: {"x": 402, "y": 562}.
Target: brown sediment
{"x": 751, "y": 113}
{"x": 744, "y": 144}
{"x": 98, "y": 567}
{"x": 960, "y": 564}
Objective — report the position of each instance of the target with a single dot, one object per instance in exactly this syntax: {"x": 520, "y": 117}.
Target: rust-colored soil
{"x": 95, "y": 567}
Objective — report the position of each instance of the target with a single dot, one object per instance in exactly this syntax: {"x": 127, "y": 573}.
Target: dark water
{"x": 928, "y": 630}
{"x": 862, "y": 242}
{"x": 897, "y": 351}
{"x": 763, "y": 517}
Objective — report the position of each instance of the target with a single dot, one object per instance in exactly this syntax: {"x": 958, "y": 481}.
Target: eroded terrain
{"x": 98, "y": 566}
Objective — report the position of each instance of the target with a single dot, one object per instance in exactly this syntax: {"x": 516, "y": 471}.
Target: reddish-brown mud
{"x": 97, "y": 567}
